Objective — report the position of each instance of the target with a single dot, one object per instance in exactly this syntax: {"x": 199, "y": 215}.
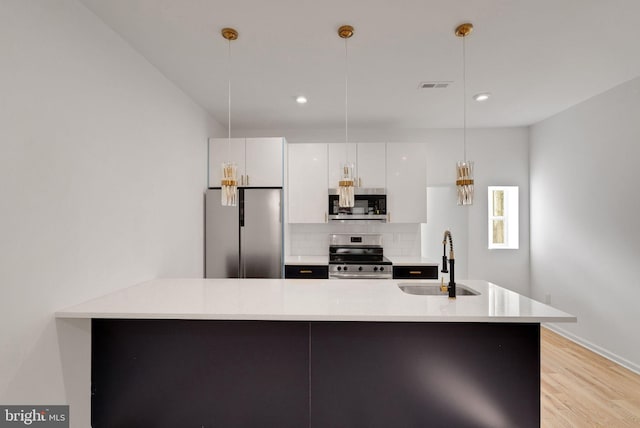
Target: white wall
{"x": 501, "y": 157}
{"x": 102, "y": 172}
{"x": 585, "y": 239}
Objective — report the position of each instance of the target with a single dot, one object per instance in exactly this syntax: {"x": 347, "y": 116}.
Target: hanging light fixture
{"x": 345, "y": 185}
{"x": 464, "y": 169}
{"x": 229, "y": 181}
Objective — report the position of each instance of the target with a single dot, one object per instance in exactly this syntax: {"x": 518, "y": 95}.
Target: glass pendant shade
{"x": 464, "y": 182}
{"x": 345, "y": 187}
{"x": 229, "y": 184}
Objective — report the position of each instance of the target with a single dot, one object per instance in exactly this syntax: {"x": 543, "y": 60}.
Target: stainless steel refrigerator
{"x": 244, "y": 241}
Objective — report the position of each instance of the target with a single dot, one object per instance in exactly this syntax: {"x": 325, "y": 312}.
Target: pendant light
{"x": 464, "y": 169}
{"x": 345, "y": 185}
{"x": 229, "y": 181}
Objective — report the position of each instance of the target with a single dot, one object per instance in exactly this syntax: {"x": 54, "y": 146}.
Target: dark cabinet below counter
{"x": 415, "y": 272}
{"x": 246, "y": 374}
{"x": 306, "y": 271}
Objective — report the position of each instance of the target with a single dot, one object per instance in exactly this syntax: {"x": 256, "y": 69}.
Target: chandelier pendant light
{"x": 229, "y": 180}
{"x": 464, "y": 168}
{"x": 346, "y": 183}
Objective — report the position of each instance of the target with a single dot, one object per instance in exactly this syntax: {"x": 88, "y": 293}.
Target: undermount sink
{"x": 434, "y": 289}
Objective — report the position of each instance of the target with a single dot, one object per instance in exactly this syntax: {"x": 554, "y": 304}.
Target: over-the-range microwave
{"x": 370, "y": 204}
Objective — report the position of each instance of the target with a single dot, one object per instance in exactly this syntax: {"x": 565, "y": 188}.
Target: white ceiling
{"x": 537, "y": 57}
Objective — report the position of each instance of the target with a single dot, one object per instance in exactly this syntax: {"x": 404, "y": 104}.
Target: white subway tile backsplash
{"x": 313, "y": 239}
{"x": 409, "y": 237}
{"x": 407, "y": 252}
{"x": 392, "y": 252}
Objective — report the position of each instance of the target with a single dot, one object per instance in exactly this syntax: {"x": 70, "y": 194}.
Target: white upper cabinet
{"x": 263, "y": 162}
{"x": 221, "y": 150}
{"x": 406, "y": 183}
{"x": 371, "y": 169}
{"x": 339, "y": 153}
{"x": 401, "y": 168}
{"x": 369, "y": 161}
{"x": 259, "y": 160}
{"x": 308, "y": 199}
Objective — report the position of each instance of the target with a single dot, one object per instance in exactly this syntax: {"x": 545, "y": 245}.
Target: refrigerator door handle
{"x": 241, "y": 207}
{"x": 242, "y": 270}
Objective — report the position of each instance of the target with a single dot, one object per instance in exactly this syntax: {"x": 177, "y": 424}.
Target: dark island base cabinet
{"x": 310, "y": 272}
{"x": 415, "y": 272}
{"x": 173, "y": 373}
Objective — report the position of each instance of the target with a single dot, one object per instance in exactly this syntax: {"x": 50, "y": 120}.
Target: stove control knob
{"x": 381, "y": 268}
{"x": 339, "y": 268}
{"x": 360, "y": 268}
{"x": 375, "y": 269}
{"x": 346, "y": 268}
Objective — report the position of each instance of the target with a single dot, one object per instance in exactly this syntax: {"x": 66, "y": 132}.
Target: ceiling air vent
{"x": 434, "y": 85}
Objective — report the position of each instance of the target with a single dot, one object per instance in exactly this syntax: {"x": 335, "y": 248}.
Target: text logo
{"x": 34, "y": 416}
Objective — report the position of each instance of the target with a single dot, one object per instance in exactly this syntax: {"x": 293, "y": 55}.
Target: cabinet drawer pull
{"x": 306, "y": 271}
{"x": 415, "y": 272}
{"x": 247, "y": 179}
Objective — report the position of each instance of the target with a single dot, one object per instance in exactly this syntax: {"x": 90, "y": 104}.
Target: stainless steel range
{"x": 356, "y": 256}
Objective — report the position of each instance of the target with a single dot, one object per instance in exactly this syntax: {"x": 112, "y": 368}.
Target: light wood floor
{"x": 579, "y": 388}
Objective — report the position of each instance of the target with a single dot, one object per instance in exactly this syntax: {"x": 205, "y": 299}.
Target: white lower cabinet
{"x": 406, "y": 183}
{"x": 307, "y": 183}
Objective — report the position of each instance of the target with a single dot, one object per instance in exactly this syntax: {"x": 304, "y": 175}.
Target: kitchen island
{"x": 319, "y": 353}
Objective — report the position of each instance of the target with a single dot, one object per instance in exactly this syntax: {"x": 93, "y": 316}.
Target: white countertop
{"x": 413, "y": 261}
{"x": 307, "y": 260}
{"x": 311, "y": 300}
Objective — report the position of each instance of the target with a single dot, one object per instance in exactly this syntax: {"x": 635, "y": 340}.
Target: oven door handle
{"x": 360, "y": 276}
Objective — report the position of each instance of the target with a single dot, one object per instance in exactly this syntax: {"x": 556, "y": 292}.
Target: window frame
{"x": 510, "y": 218}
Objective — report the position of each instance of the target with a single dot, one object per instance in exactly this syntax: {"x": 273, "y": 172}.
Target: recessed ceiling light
{"x": 301, "y": 99}
{"x": 482, "y": 96}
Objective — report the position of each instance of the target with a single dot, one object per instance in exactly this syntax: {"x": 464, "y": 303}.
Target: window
{"x": 503, "y": 217}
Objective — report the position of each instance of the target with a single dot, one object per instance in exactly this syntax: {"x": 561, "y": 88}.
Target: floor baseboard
{"x": 595, "y": 348}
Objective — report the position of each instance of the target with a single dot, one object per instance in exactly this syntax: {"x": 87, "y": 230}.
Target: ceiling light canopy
{"x": 301, "y": 99}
